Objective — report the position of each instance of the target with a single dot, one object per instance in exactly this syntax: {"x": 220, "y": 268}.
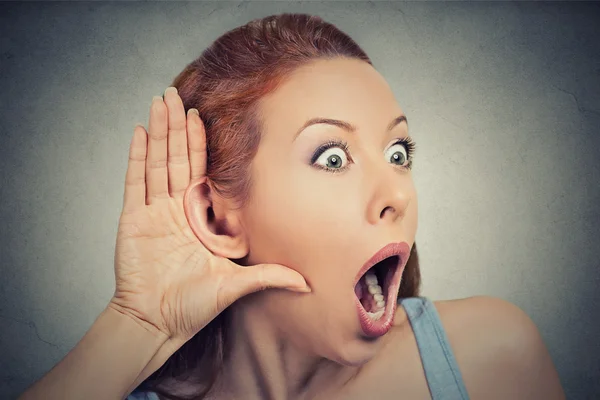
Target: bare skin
{"x": 168, "y": 285}
{"x": 324, "y": 225}
{"x": 287, "y": 341}
{"x": 498, "y": 350}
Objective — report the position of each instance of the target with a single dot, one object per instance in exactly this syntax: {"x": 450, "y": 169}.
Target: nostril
{"x": 389, "y": 208}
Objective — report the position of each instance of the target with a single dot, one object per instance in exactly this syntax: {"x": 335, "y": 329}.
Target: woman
{"x": 263, "y": 257}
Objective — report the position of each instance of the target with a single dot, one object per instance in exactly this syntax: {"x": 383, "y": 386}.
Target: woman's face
{"x": 325, "y": 210}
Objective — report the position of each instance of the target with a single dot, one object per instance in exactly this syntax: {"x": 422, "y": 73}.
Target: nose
{"x": 391, "y": 194}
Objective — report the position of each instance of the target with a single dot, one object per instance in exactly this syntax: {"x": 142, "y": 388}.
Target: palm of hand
{"x": 159, "y": 254}
{"x": 166, "y": 279}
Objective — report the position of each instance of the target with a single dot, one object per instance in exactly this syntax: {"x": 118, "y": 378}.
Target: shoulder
{"x": 489, "y": 320}
{"x": 499, "y": 349}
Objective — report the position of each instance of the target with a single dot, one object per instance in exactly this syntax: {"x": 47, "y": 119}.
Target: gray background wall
{"x": 503, "y": 100}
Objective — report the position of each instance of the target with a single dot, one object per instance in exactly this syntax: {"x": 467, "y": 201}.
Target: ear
{"x": 214, "y": 221}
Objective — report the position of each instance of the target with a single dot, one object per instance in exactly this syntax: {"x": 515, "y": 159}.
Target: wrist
{"x": 116, "y": 310}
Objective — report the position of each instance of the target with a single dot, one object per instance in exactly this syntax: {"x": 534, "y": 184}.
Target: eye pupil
{"x": 398, "y": 156}
{"x": 333, "y": 161}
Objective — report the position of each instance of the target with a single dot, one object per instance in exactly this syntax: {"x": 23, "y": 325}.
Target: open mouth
{"x": 373, "y": 288}
{"x": 376, "y": 288}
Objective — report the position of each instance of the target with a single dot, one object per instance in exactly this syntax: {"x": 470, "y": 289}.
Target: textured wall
{"x": 503, "y": 100}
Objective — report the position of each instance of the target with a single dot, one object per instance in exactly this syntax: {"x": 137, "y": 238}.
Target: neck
{"x": 261, "y": 363}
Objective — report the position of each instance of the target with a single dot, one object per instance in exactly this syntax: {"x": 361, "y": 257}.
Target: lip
{"x": 383, "y": 324}
{"x": 400, "y": 249}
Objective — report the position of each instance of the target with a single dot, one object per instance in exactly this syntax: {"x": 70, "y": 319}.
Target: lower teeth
{"x": 375, "y": 315}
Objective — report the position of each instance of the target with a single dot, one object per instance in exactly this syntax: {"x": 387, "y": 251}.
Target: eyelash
{"x": 409, "y": 144}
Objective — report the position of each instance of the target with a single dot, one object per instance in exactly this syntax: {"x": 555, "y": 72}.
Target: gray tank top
{"x": 443, "y": 375}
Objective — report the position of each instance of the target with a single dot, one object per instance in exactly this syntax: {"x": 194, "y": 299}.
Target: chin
{"x": 356, "y": 362}
{"x": 356, "y": 353}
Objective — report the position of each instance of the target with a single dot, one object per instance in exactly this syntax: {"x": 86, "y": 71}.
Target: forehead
{"x": 346, "y": 89}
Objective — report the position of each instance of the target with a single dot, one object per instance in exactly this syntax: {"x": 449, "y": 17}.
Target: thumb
{"x": 258, "y": 277}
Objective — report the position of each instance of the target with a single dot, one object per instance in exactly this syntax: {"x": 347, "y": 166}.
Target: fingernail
{"x": 157, "y": 98}
{"x": 171, "y": 89}
{"x": 193, "y": 110}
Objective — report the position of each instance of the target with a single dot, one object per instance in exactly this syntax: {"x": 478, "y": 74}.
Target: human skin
{"x": 325, "y": 226}
{"x": 498, "y": 349}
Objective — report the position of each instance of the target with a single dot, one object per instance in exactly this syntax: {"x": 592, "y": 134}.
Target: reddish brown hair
{"x": 225, "y": 84}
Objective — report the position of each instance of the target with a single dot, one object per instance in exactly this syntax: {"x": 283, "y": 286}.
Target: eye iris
{"x": 333, "y": 161}
{"x": 398, "y": 158}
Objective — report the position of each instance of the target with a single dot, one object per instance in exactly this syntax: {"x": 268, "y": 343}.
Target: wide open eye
{"x": 396, "y": 154}
{"x": 333, "y": 158}
{"x": 401, "y": 152}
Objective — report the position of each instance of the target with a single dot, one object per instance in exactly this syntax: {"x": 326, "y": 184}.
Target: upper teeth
{"x": 375, "y": 289}
{"x": 371, "y": 279}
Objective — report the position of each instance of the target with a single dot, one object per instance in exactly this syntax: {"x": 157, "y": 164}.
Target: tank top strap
{"x": 141, "y": 395}
{"x": 441, "y": 370}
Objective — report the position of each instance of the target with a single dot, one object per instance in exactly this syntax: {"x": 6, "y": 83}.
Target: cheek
{"x": 298, "y": 220}
{"x": 410, "y": 220}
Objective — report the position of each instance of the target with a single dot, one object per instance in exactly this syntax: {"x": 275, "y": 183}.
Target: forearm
{"x": 105, "y": 362}
{"x": 158, "y": 360}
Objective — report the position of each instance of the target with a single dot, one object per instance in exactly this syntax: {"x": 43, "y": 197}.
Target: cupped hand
{"x": 165, "y": 278}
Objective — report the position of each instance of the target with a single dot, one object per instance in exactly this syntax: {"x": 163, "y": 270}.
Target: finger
{"x": 196, "y": 144}
{"x": 156, "y": 161}
{"x": 135, "y": 178}
{"x": 251, "y": 279}
{"x": 178, "y": 163}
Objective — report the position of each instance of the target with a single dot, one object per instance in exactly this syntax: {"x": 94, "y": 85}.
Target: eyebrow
{"x": 348, "y": 127}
